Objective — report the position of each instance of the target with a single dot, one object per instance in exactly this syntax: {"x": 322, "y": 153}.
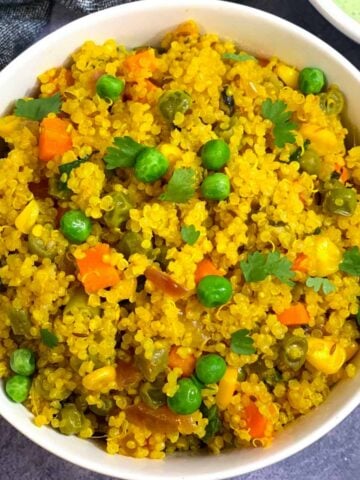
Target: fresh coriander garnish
{"x": 48, "y": 338}
{"x": 317, "y": 283}
{"x": 242, "y": 343}
{"x": 189, "y": 234}
{"x": 37, "y": 108}
{"x": 181, "y": 186}
{"x": 122, "y": 153}
{"x": 351, "y": 262}
{"x": 259, "y": 265}
{"x": 283, "y": 127}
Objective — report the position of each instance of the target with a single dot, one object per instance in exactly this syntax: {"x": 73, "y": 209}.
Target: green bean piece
{"x": 172, "y": 102}
{"x": 130, "y": 243}
{"x": 310, "y": 162}
{"x": 293, "y": 351}
{"x": 340, "y": 200}
{"x": 150, "y": 368}
{"x": 19, "y": 321}
{"x": 103, "y": 410}
{"x": 152, "y": 395}
{"x": 70, "y": 419}
{"x": 120, "y": 211}
{"x": 37, "y": 246}
{"x": 78, "y": 303}
{"x": 332, "y": 102}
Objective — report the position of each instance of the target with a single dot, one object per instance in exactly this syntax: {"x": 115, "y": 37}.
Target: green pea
{"x": 152, "y": 395}
{"x": 187, "y": 398}
{"x": 332, "y": 101}
{"x": 130, "y": 243}
{"x": 340, "y": 201}
{"x": 293, "y": 351}
{"x": 213, "y": 291}
{"x": 37, "y": 246}
{"x": 210, "y": 368}
{"x": 311, "y": 80}
{"x": 216, "y": 186}
{"x": 151, "y": 368}
{"x": 172, "y": 102}
{"x": 150, "y": 165}
{"x": 70, "y": 419}
{"x": 19, "y": 321}
{"x": 110, "y": 87}
{"x": 215, "y": 154}
{"x": 103, "y": 410}
{"x": 310, "y": 162}
{"x": 17, "y": 388}
{"x": 22, "y": 361}
{"x": 120, "y": 211}
{"x": 75, "y": 226}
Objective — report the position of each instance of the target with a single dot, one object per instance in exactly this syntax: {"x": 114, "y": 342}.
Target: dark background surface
{"x": 334, "y": 457}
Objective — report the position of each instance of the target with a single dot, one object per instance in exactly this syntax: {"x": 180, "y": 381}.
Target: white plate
{"x": 339, "y": 18}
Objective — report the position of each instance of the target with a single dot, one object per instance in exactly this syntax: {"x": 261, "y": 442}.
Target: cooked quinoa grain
{"x": 262, "y": 278}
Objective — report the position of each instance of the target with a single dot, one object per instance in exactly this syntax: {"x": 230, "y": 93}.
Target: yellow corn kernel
{"x": 227, "y": 387}
{"x": 171, "y": 152}
{"x": 289, "y": 75}
{"x": 8, "y": 124}
{"x": 325, "y": 355}
{"x": 27, "y": 217}
{"x": 323, "y": 256}
{"x": 351, "y": 350}
{"x": 322, "y": 140}
{"x": 101, "y": 378}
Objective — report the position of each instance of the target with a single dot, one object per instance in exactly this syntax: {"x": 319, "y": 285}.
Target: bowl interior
{"x": 264, "y": 35}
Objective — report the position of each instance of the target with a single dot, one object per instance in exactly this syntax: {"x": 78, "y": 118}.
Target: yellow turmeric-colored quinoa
{"x": 121, "y": 309}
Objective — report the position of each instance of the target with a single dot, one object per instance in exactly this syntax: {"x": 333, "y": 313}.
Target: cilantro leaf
{"x": 181, "y": 186}
{"x": 351, "y": 262}
{"x": 48, "y": 338}
{"x": 37, "y": 108}
{"x": 122, "y": 153}
{"x": 66, "y": 168}
{"x": 317, "y": 283}
{"x": 254, "y": 268}
{"x": 237, "y": 57}
{"x": 214, "y": 422}
{"x": 189, "y": 234}
{"x": 241, "y": 343}
{"x": 259, "y": 265}
{"x": 276, "y": 112}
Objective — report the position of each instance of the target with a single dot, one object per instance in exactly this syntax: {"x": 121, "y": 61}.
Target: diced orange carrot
{"x": 294, "y": 315}
{"x": 142, "y": 64}
{"x": 164, "y": 282}
{"x": 255, "y": 421}
{"x": 299, "y": 264}
{"x": 343, "y": 171}
{"x": 54, "y": 139}
{"x": 94, "y": 272}
{"x": 205, "y": 268}
{"x": 187, "y": 364}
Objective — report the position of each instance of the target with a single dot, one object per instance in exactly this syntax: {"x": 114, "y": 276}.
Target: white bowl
{"x": 339, "y": 18}
{"x": 143, "y": 23}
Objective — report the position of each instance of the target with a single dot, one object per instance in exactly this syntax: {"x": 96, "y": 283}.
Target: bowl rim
{"x": 338, "y": 18}
{"x": 228, "y": 470}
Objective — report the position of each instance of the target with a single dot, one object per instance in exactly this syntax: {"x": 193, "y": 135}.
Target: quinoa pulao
{"x": 179, "y": 261}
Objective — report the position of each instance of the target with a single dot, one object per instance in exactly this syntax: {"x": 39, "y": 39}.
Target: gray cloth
{"x": 21, "y": 21}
